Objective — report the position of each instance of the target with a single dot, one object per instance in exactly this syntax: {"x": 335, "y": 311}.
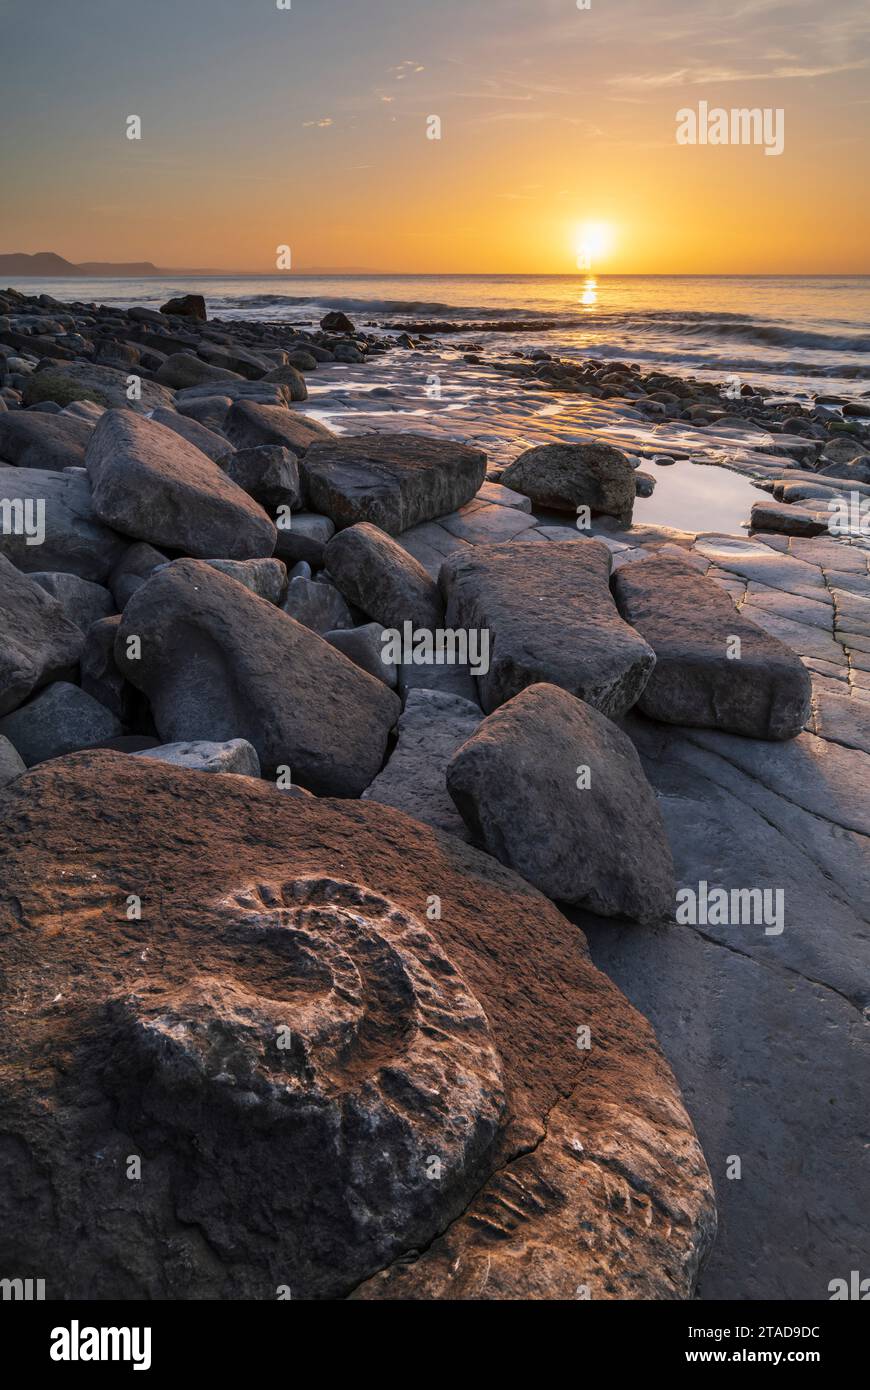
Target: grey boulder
{"x": 317, "y": 604}
{"x": 269, "y": 473}
{"x": 292, "y": 378}
{"x": 714, "y": 668}
{"x": 218, "y": 663}
{"x": 33, "y": 440}
{"x": 550, "y": 617}
{"x": 249, "y": 423}
{"x": 236, "y": 755}
{"x": 11, "y": 763}
{"x": 364, "y": 646}
{"x": 52, "y": 524}
{"x": 153, "y": 485}
{"x": 566, "y": 476}
{"x": 61, "y": 719}
{"x": 302, "y": 537}
{"x": 38, "y": 642}
{"x": 378, "y": 576}
{"x": 393, "y": 481}
{"x": 83, "y": 602}
{"x": 265, "y": 578}
{"x": 182, "y": 369}
{"x": 135, "y": 567}
{"x": 554, "y": 790}
{"x": 208, "y": 441}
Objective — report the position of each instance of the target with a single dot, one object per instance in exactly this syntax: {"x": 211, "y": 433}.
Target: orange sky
{"x": 308, "y": 127}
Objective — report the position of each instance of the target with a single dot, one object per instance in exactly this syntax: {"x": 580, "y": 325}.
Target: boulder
{"x": 233, "y": 756}
{"x": 393, "y": 481}
{"x": 60, "y": 719}
{"x": 219, "y": 663}
{"x": 432, "y": 1131}
{"x": 208, "y": 411}
{"x": 188, "y": 306}
{"x": 52, "y": 524}
{"x": 336, "y": 322}
{"x": 135, "y": 567}
{"x": 208, "y": 441}
{"x": 714, "y": 668}
{"x": 268, "y": 473}
{"x": 376, "y": 575}
{"x": 151, "y": 484}
{"x": 86, "y": 381}
{"x": 432, "y": 727}
{"x": 182, "y": 369}
{"x": 856, "y": 470}
{"x": 550, "y": 617}
{"x": 265, "y": 578}
{"x": 316, "y": 604}
{"x": 11, "y": 763}
{"x": 292, "y": 378}
{"x": 100, "y": 676}
{"x": 364, "y": 646}
{"x": 235, "y": 359}
{"x": 32, "y": 440}
{"x": 248, "y": 424}
{"x": 38, "y": 642}
{"x": 566, "y": 476}
{"x": 82, "y": 601}
{"x": 303, "y": 537}
{"x": 556, "y": 791}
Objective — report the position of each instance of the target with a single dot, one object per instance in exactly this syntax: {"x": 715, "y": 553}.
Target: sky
{"x": 309, "y": 128}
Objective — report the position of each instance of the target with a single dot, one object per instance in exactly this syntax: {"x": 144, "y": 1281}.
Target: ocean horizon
{"x": 791, "y": 334}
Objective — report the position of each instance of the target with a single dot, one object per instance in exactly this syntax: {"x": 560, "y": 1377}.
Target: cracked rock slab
{"x": 551, "y": 618}
{"x": 392, "y": 481}
{"x": 714, "y": 668}
{"x": 433, "y": 725}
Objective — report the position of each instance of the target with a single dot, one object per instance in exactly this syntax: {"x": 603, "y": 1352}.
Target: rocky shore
{"x": 423, "y": 878}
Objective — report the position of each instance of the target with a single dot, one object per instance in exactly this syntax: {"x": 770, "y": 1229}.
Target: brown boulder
{"x": 323, "y": 1087}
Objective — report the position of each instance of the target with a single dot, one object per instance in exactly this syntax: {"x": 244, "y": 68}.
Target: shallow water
{"x": 697, "y": 497}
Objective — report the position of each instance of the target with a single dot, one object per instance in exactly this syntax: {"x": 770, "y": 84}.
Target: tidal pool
{"x": 697, "y": 497}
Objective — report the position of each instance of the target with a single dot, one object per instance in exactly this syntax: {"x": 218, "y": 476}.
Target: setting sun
{"x": 594, "y": 240}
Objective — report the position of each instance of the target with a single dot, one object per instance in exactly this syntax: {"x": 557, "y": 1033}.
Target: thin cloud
{"x": 688, "y": 77}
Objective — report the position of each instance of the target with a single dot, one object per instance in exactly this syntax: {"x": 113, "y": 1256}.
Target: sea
{"x": 797, "y": 335}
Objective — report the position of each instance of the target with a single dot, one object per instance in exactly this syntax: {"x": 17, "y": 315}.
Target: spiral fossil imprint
{"x": 347, "y": 1056}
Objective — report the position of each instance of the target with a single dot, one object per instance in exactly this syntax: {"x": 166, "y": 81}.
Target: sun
{"x": 594, "y": 240}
